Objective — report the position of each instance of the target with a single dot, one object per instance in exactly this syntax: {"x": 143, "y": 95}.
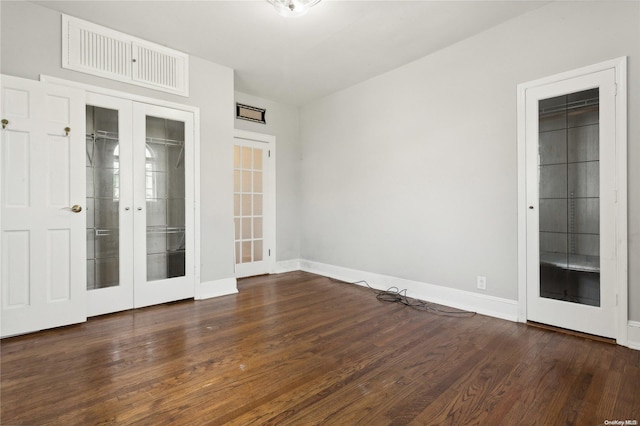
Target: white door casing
{"x": 43, "y": 178}
{"x": 254, "y": 203}
{"x": 609, "y": 319}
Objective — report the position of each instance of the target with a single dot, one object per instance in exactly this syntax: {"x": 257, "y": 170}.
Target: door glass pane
{"x": 165, "y": 198}
{"x": 248, "y": 194}
{"x": 103, "y": 198}
{"x": 569, "y": 191}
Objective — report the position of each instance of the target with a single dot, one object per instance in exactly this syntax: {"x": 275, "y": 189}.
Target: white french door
{"x": 571, "y": 203}
{"x": 140, "y": 198}
{"x": 254, "y": 204}
{"x": 109, "y": 171}
{"x": 97, "y": 205}
{"x": 43, "y": 249}
{"x": 164, "y": 210}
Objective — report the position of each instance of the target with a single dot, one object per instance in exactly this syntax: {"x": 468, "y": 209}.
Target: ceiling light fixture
{"x": 293, "y": 8}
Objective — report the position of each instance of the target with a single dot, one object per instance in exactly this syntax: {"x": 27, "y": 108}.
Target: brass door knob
{"x": 76, "y": 209}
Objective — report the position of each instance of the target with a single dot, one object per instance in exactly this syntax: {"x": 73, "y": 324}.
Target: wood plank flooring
{"x": 300, "y": 349}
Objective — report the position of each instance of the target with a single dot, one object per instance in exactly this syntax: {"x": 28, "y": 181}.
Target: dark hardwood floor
{"x": 300, "y": 349}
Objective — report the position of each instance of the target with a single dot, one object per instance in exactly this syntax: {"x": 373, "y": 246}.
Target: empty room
{"x": 304, "y": 212}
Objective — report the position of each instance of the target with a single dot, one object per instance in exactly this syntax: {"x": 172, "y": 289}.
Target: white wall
{"x": 282, "y": 122}
{"x": 413, "y": 174}
{"x": 31, "y": 46}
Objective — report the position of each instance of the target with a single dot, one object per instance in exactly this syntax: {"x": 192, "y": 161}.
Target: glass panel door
{"x": 253, "y": 199}
{"x": 165, "y": 198}
{"x": 571, "y": 205}
{"x": 140, "y": 180}
{"x": 164, "y": 204}
{"x": 103, "y": 198}
{"x": 248, "y": 198}
{"x": 109, "y": 204}
{"x": 569, "y": 197}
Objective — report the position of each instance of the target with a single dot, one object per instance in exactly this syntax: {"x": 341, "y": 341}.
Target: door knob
{"x": 76, "y": 209}
{"x": 139, "y": 208}
{"x": 126, "y": 208}
{"x": 531, "y": 207}
{"x": 4, "y": 123}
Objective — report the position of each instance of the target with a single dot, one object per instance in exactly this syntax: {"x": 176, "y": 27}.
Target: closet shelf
{"x": 103, "y": 134}
{"x": 163, "y": 141}
{"x": 164, "y": 229}
{"x": 103, "y": 232}
{"x": 583, "y": 103}
{"x": 154, "y": 253}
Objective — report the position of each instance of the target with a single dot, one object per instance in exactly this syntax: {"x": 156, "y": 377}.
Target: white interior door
{"x": 43, "y": 193}
{"x": 571, "y": 216}
{"x": 254, "y": 214}
{"x": 109, "y": 171}
{"x": 163, "y": 215}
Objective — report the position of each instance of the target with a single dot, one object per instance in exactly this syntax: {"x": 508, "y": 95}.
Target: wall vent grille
{"x": 92, "y": 49}
{"x": 156, "y": 67}
{"x": 104, "y": 53}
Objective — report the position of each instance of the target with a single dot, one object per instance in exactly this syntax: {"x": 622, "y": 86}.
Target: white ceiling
{"x": 337, "y": 44}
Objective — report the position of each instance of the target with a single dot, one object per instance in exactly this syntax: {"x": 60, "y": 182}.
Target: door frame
{"x": 196, "y": 153}
{"x": 270, "y": 204}
{"x": 619, "y": 65}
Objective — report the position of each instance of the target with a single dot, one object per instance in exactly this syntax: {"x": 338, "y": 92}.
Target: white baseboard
{"x": 633, "y": 335}
{"x": 483, "y": 304}
{"x": 486, "y": 305}
{"x": 284, "y": 266}
{"x": 216, "y": 288}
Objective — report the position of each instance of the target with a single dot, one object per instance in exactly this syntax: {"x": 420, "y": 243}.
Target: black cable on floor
{"x": 395, "y": 295}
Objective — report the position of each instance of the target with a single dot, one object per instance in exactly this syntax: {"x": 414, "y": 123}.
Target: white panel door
{"x": 571, "y": 199}
{"x": 254, "y": 204}
{"x": 43, "y": 192}
{"x": 164, "y": 209}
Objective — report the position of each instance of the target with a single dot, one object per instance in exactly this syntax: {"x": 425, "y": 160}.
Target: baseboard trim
{"x": 285, "y": 266}
{"x": 486, "y": 305}
{"x": 216, "y": 288}
{"x": 483, "y": 304}
{"x": 633, "y": 335}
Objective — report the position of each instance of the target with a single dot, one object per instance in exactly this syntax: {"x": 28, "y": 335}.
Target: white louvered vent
{"x": 106, "y": 54}
{"x": 92, "y": 49}
{"x": 158, "y": 66}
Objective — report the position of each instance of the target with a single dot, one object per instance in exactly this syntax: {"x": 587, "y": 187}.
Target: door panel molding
{"x": 43, "y": 249}
{"x": 619, "y": 192}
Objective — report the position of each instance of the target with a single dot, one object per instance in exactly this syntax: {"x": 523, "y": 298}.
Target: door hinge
{"x": 615, "y": 89}
{"x": 269, "y": 252}
{"x": 269, "y": 153}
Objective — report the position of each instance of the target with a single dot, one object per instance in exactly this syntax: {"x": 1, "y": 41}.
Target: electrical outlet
{"x": 481, "y": 282}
